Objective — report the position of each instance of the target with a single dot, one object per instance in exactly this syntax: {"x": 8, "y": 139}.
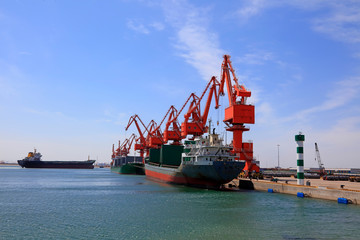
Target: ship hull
{"x": 203, "y": 176}
{"x": 57, "y": 164}
{"x": 130, "y": 168}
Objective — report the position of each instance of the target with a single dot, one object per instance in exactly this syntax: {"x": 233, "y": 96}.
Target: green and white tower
{"x": 300, "y": 138}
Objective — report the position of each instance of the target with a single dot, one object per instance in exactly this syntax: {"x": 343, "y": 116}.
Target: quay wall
{"x": 310, "y": 191}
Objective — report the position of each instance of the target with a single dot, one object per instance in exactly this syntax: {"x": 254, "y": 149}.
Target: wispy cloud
{"x": 111, "y": 116}
{"x": 342, "y": 22}
{"x": 47, "y": 113}
{"x": 137, "y": 27}
{"x": 256, "y": 58}
{"x": 196, "y": 43}
{"x": 11, "y": 77}
{"x": 157, "y": 26}
{"x": 251, "y": 8}
{"x": 356, "y": 55}
{"x": 339, "y": 19}
{"x": 344, "y": 92}
{"x": 24, "y": 53}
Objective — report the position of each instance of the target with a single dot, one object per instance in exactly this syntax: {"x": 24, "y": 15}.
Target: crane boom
{"x": 197, "y": 126}
{"x": 173, "y": 134}
{"x": 317, "y": 156}
{"x": 141, "y": 141}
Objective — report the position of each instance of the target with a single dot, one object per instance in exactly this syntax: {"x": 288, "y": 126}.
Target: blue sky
{"x": 73, "y": 72}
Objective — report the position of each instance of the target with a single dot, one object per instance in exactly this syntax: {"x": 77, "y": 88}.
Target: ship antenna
{"x": 209, "y": 126}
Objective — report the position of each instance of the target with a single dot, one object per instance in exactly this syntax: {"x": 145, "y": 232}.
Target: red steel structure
{"x": 140, "y": 144}
{"x": 237, "y": 114}
{"x": 115, "y": 152}
{"x": 124, "y": 148}
{"x": 197, "y": 125}
{"x": 154, "y": 138}
{"x": 172, "y": 129}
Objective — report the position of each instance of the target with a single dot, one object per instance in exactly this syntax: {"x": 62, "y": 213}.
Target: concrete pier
{"x": 321, "y": 189}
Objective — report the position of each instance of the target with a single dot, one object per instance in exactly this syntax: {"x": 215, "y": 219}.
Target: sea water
{"x": 98, "y": 204}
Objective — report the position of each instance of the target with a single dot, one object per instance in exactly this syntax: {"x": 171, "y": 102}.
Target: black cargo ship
{"x": 33, "y": 160}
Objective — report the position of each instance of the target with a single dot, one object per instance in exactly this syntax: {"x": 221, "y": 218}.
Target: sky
{"x": 73, "y": 72}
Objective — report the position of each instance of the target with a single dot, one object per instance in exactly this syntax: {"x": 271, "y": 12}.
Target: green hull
{"x": 130, "y": 168}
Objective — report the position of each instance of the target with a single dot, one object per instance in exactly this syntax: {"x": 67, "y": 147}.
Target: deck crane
{"x": 126, "y": 146}
{"x": 140, "y": 144}
{"x": 115, "y": 152}
{"x": 154, "y": 138}
{"x": 172, "y": 129}
{"x": 237, "y": 114}
{"x": 318, "y": 159}
{"x": 197, "y": 125}
{"x": 123, "y": 149}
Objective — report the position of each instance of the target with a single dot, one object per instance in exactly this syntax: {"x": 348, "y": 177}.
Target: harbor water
{"x": 98, "y": 204}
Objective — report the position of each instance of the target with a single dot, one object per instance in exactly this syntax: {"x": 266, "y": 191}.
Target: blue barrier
{"x": 343, "y": 200}
{"x": 300, "y": 194}
{"x": 270, "y": 190}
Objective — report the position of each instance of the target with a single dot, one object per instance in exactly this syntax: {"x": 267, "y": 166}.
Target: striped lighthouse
{"x": 300, "y": 138}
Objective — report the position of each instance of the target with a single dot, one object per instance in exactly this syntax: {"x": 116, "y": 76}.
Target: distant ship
{"x": 202, "y": 162}
{"x": 33, "y": 160}
{"x": 128, "y": 165}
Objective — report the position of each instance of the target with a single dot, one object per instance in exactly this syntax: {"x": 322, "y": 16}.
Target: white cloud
{"x": 48, "y": 114}
{"x": 137, "y": 27}
{"x": 266, "y": 113}
{"x": 11, "y": 80}
{"x": 356, "y": 55}
{"x": 342, "y": 22}
{"x": 111, "y": 116}
{"x": 157, "y": 26}
{"x": 24, "y": 53}
{"x": 256, "y": 58}
{"x": 339, "y": 19}
{"x": 251, "y": 8}
{"x": 195, "y": 41}
{"x": 345, "y": 92}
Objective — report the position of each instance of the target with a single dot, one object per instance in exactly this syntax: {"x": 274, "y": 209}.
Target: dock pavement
{"x": 313, "y": 188}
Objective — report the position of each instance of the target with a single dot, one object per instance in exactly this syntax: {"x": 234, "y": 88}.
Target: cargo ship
{"x": 33, "y": 160}
{"x": 203, "y": 162}
{"x": 128, "y": 165}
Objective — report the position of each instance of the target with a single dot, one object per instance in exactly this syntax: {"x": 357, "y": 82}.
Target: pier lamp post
{"x": 278, "y": 156}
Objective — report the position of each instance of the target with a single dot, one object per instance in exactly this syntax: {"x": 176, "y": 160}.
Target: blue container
{"x": 300, "y": 194}
{"x": 270, "y": 190}
{"x": 343, "y": 200}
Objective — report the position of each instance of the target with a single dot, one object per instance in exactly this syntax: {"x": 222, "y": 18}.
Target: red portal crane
{"x": 115, "y": 152}
{"x": 140, "y": 144}
{"x": 237, "y": 114}
{"x": 197, "y": 125}
{"x": 154, "y": 138}
{"x": 126, "y": 146}
{"x": 172, "y": 129}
